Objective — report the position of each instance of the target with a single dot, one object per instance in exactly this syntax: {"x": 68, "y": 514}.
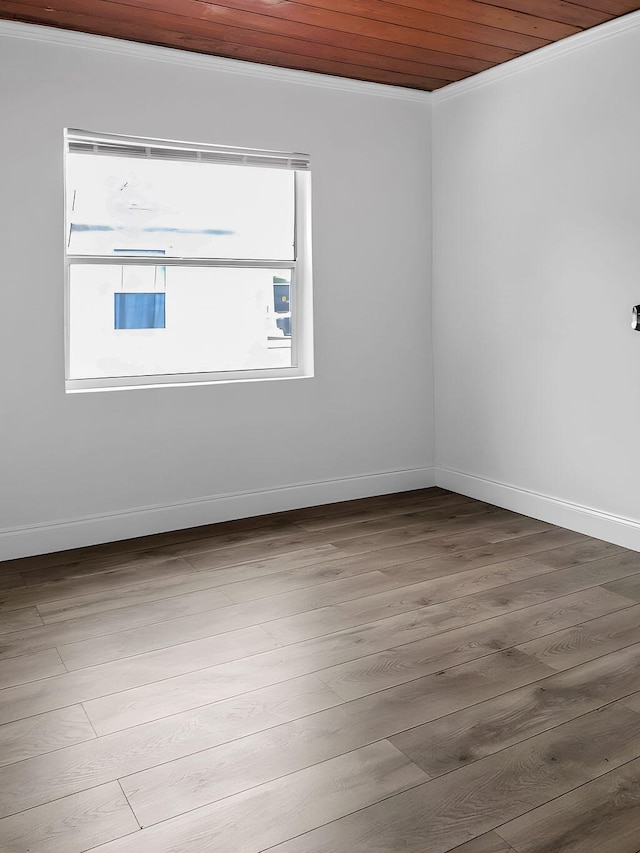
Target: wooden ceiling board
{"x": 418, "y": 44}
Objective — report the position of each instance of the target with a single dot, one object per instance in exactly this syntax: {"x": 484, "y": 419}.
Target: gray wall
{"x": 536, "y": 269}
{"x": 88, "y": 467}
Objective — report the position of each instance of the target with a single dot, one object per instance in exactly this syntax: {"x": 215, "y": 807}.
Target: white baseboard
{"x": 141, "y": 521}
{"x": 601, "y": 525}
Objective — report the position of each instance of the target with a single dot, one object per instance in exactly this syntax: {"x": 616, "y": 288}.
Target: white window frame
{"x": 300, "y": 295}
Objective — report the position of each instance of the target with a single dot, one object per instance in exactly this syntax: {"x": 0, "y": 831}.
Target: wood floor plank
{"x": 587, "y": 641}
{"x": 100, "y": 571}
{"x": 632, "y": 702}
{"x": 118, "y": 580}
{"x": 71, "y": 825}
{"x": 352, "y": 663}
{"x": 30, "y": 668}
{"x": 201, "y": 688}
{"x": 298, "y": 578}
{"x": 211, "y": 774}
{"x": 68, "y": 771}
{"x": 599, "y": 816}
{"x": 629, "y": 587}
{"x": 37, "y": 697}
{"x": 45, "y": 733}
{"x": 450, "y": 742}
{"x": 19, "y": 620}
{"x": 284, "y": 555}
{"x": 401, "y": 599}
{"x": 495, "y": 531}
{"x": 157, "y": 564}
{"x": 294, "y": 804}
{"x": 586, "y": 550}
{"x": 489, "y": 843}
{"x": 96, "y": 625}
{"x": 444, "y": 586}
{"x": 453, "y": 809}
{"x": 165, "y": 572}
{"x": 414, "y": 672}
{"x": 11, "y": 580}
{"x": 237, "y": 583}
{"x": 136, "y": 641}
{"x": 430, "y": 522}
{"x": 93, "y": 558}
{"x": 84, "y": 627}
{"x": 415, "y": 659}
{"x": 439, "y": 507}
{"x": 473, "y": 558}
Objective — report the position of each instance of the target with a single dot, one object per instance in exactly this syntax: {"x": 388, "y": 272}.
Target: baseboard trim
{"x": 592, "y": 522}
{"x": 141, "y": 521}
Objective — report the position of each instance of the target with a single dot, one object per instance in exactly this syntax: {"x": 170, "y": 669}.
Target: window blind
{"x": 79, "y": 142}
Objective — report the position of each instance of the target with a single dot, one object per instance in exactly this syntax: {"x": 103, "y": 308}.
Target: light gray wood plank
{"x": 272, "y": 585}
{"x": 164, "y": 571}
{"x": 10, "y": 580}
{"x": 297, "y": 555}
{"x": 487, "y": 534}
{"x": 191, "y": 581}
{"x": 19, "y": 620}
{"x": 561, "y": 556}
{"x": 332, "y": 656}
{"x": 386, "y": 589}
{"x": 76, "y": 768}
{"x": 138, "y": 640}
{"x": 580, "y": 643}
{"x": 96, "y": 625}
{"x": 131, "y": 707}
{"x": 118, "y": 579}
{"x": 402, "y": 599}
{"x": 268, "y": 814}
{"x": 466, "y": 556}
{"x": 446, "y": 523}
{"x": 30, "y": 668}
{"x": 489, "y": 843}
{"x": 383, "y": 666}
{"x": 71, "y": 825}
{"x": 632, "y": 702}
{"x": 211, "y": 774}
{"x": 44, "y": 733}
{"x": 460, "y": 738}
{"x": 599, "y": 816}
{"x": 441, "y": 507}
{"x": 83, "y": 685}
{"x": 413, "y": 660}
{"x": 586, "y": 550}
{"x": 298, "y": 578}
{"x": 453, "y": 809}
{"x": 629, "y": 587}
{"x": 95, "y": 568}
{"x": 81, "y": 562}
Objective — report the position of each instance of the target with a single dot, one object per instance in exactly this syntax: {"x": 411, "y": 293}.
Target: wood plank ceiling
{"x": 420, "y": 44}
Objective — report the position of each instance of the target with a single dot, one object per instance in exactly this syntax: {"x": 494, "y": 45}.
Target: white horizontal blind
{"x": 81, "y": 142}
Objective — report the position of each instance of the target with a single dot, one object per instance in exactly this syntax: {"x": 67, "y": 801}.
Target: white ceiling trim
{"x": 542, "y": 55}
{"x": 70, "y": 38}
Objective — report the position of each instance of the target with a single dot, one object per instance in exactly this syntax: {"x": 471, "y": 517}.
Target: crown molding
{"x": 541, "y": 56}
{"x": 139, "y": 50}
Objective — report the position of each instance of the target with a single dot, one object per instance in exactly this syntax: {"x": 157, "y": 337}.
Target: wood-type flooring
{"x": 410, "y": 673}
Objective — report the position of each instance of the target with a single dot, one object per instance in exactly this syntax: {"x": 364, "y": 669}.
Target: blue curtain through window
{"x": 139, "y": 311}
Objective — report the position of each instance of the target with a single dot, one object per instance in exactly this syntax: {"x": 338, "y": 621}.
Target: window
{"x": 184, "y": 263}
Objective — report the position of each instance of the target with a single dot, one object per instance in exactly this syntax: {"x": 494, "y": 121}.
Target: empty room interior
{"x": 319, "y": 494}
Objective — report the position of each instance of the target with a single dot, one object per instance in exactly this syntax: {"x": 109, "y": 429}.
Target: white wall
{"x": 82, "y": 468}
{"x": 536, "y": 269}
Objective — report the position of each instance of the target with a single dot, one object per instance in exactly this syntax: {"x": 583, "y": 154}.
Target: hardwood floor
{"x": 418, "y": 672}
